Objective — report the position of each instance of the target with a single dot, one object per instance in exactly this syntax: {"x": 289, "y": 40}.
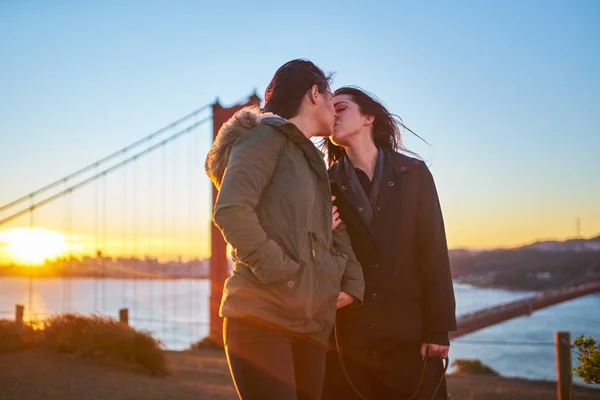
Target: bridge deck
{"x": 471, "y": 322}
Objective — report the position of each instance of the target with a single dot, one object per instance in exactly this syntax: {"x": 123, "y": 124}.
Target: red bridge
{"x": 471, "y": 322}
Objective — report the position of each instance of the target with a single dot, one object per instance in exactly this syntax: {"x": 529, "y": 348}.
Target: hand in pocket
{"x": 344, "y": 299}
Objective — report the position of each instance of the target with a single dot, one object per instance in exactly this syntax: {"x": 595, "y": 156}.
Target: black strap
{"x": 446, "y": 362}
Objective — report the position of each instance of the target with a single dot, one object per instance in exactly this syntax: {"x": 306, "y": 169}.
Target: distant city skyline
{"x": 82, "y": 251}
{"x": 101, "y": 266}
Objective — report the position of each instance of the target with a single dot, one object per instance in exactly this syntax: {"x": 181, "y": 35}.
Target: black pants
{"x": 390, "y": 375}
{"x": 269, "y": 363}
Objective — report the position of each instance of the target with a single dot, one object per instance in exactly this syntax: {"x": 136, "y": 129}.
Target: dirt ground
{"x": 40, "y": 375}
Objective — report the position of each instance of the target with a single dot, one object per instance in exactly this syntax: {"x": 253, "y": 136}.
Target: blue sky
{"x": 507, "y": 93}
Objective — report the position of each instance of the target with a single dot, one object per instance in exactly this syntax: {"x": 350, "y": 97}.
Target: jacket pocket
{"x": 329, "y": 269}
{"x": 292, "y": 295}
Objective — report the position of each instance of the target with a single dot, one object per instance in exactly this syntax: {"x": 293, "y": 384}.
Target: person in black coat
{"x": 389, "y": 203}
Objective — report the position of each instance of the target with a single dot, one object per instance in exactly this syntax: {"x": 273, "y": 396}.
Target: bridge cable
{"x": 191, "y": 260}
{"x": 105, "y": 159}
{"x": 104, "y": 253}
{"x": 150, "y": 262}
{"x": 173, "y": 241}
{"x": 31, "y": 270}
{"x": 106, "y": 171}
{"x": 136, "y": 258}
{"x": 124, "y": 257}
{"x": 96, "y": 235}
{"x": 164, "y": 239}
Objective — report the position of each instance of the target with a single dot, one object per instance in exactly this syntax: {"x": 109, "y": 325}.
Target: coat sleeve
{"x": 250, "y": 168}
{"x": 353, "y": 281}
{"x": 434, "y": 263}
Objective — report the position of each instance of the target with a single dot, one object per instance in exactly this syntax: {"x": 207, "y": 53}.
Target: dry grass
{"x": 89, "y": 337}
{"x": 38, "y": 374}
{"x": 31, "y": 367}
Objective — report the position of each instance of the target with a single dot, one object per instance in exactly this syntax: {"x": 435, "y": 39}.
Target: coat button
{"x": 373, "y": 325}
{"x": 374, "y": 296}
{"x": 290, "y": 284}
{"x": 360, "y": 209}
{"x": 374, "y": 265}
{"x": 377, "y": 208}
{"x": 344, "y": 187}
{"x": 390, "y": 183}
{"x": 417, "y": 162}
{"x": 374, "y": 354}
{"x": 403, "y": 168}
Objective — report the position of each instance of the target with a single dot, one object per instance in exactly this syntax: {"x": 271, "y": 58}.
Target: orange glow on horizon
{"x": 27, "y": 246}
{"x": 33, "y": 247}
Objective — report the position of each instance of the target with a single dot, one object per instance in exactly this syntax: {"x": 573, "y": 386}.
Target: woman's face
{"x": 349, "y": 122}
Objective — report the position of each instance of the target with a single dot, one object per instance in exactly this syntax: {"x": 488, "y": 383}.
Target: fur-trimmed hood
{"x": 218, "y": 155}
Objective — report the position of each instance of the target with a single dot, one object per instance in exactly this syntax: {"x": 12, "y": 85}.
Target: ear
{"x": 313, "y": 94}
{"x": 368, "y": 119}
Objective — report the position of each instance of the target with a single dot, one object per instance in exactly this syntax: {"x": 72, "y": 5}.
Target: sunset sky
{"x": 507, "y": 93}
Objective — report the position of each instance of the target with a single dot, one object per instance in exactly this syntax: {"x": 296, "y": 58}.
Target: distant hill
{"x": 536, "y": 266}
{"x": 592, "y": 244}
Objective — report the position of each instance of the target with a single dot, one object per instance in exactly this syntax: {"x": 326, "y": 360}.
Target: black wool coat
{"x": 403, "y": 252}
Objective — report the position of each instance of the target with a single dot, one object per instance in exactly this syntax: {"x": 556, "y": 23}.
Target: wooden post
{"x": 19, "y": 312}
{"x": 124, "y": 316}
{"x": 564, "y": 375}
{"x": 218, "y": 257}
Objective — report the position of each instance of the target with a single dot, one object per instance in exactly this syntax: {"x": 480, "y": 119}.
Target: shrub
{"x": 87, "y": 336}
{"x": 469, "y": 366}
{"x": 588, "y": 354}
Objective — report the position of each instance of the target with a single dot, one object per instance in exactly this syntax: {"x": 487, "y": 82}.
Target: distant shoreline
{"x": 207, "y": 277}
{"x": 480, "y": 285}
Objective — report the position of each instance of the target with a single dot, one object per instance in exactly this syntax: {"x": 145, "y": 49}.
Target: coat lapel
{"x": 350, "y": 193}
{"x": 388, "y": 189}
{"x": 391, "y": 183}
{"x": 395, "y": 166}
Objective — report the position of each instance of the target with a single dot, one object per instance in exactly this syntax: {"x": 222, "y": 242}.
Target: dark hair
{"x": 386, "y": 126}
{"x": 290, "y": 83}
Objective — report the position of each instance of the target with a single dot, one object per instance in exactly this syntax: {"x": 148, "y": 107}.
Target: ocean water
{"x": 176, "y": 312}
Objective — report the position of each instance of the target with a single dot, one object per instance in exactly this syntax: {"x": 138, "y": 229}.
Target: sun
{"x": 32, "y": 246}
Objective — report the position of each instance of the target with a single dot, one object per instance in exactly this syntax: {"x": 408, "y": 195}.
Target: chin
{"x": 337, "y": 139}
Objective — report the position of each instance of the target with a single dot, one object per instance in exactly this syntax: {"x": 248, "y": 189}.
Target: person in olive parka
{"x": 291, "y": 268}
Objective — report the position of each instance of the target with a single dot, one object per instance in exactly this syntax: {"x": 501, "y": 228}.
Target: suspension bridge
{"x": 128, "y": 227}
{"x": 136, "y": 233}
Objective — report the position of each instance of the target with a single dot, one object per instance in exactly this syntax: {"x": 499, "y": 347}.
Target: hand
{"x": 435, "y": 350}
{"x": 335, "y": 220}
{"x": 344, "y": 299}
